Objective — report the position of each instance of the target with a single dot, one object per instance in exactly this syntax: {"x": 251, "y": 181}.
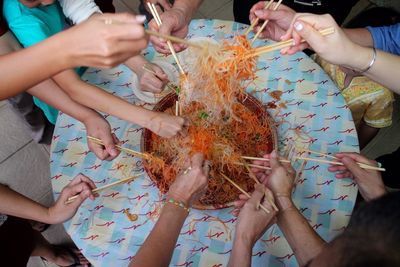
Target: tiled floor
{"x": 24, "y": 164}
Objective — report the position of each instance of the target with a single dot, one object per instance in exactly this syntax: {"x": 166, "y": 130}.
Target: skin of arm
{"x": 338, "y": 49}
{"x": 251, "y": 224}
{"x": 96, "y": 126}
{"x": 101, "y": 45}
{"x": 186, "y": 189}
{"x": 15, "y": 204}
{"x": 98, "y": 99}
{"x": 302, "y": 238}
{"x": 360, "y": 36}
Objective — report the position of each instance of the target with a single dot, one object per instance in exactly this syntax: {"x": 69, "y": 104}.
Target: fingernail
{"x": 113, "y": 152}
{"x": 273, "y": 153}
{"x": 141, "y": 18}
{"x": 258, "y": 13}
{"x": 298, "y": 26}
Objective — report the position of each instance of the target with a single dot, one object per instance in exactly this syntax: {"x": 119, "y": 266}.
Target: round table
{"x": 314, "y": 114}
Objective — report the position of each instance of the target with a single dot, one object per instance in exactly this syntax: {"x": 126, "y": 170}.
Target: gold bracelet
{"x": 178, "y": 204}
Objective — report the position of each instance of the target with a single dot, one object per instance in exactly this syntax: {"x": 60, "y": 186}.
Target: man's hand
{"x": 174, "y": 22}
{"x": 279, "y": 179}
{"x": 98, "y": 127}
{"x": 253, "y": 221}
{"x": 191, "y": 186}
{"x": 369, "y": 182}
{"x": 279, "y": 20}
{"x": 60, "y": 211}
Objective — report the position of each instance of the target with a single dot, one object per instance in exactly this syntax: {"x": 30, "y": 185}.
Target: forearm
{"x": 304, "y": 241}
{"x": 136, "y": 63}
{"x": 27, "y": 67}
{"x": 189, "y": 7}
{"x": 241, "y": 254}
{"x": 360, "y": 36}
{"x": 49, "y": 92}
{"x": 14, "y": 204}
{"x": 98, "y": 99}
{"x": 162, "y": 239}
{"x": 385, "y": 69}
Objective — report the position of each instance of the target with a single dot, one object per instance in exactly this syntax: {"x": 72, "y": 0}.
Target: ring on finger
{"x": 187, "y": 170}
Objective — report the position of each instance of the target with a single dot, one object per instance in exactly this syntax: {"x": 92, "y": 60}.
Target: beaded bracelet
{"x": 178, "y": 204}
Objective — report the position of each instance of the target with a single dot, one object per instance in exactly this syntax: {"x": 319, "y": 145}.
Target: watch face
{"x": 308, "y": 2}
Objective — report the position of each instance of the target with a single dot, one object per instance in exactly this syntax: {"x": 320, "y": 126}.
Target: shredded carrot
{"x": 221, "y": 128}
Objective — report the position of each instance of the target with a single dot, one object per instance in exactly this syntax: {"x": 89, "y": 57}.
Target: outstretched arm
{"x": 304, "y": 241}
{"x": 15, "y": 204}
{"x": 186, "y": 189}
{"x": 101, "y": 45}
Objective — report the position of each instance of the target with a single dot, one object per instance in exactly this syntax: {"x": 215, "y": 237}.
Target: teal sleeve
{"x": 29, "y": 30}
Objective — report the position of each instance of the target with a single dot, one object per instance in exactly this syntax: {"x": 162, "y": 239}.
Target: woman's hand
{"x": 279, "y": 20}
{"x": 174, "y": 22}
{"x": 369, "y": 182}
{"x": 104, "y": 41}
{"x": 98, "y": 127}
{"x": 253, "y": 221}
{"x": 60, "y": 211}
{"x": 166, "y": 125}
{"x": 279, "y": 179}
{"x": 150, "y": 82}
{"x": 336, "y": 48}
{"x": 191, "y": 184}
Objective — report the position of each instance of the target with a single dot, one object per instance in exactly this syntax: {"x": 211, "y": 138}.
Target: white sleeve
{"x": 79, "y": 10}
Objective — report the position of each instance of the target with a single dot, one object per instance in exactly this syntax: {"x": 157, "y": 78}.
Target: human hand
{"x": 280, "y": 179}
{"x": 191, "y": 184}
{"x": 98, "y": 127}
{"x": 166, "y": 125}
{"x": 104, "y": 41}
{"x": 174, "y": 22}
{"x": 60, "y": 211}
{"x": 369, "y": 182}
{"x": 149, "y": 81}
{"x": 164, "y": 4}
{"x": 252, "y": 221}
{"x": 336, "y": 48}
{"x": 279, "y": 20}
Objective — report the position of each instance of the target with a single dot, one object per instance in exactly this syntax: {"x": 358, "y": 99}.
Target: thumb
{"x": 308, "y": 33}
{"x": 83, "y": 195}
{"x": 353, "y": 167}
{"x": 257, "y": 195}
{"x": 274, "y": 161}
{"x": 109, "y": 144}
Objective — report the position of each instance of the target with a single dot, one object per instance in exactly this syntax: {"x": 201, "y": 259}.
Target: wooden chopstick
{"x": 362, "y": 165}
{"x": 255, "y": 22}
{"x": 252, "y": 165}
{"x": 173, "y": 39}
{"x": 336, "y": 158}
{"x": 96, "y": 190}
{"x": 243, "y": 192}
{"x": 157, "y": 18}
{"x": 280, "y": 45}
{"x": 265, "y": 23}
{"x": 120, "y": 148}
{"x": 251, "y": 174}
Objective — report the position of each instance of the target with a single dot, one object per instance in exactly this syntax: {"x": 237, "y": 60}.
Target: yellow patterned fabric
{"x": 367, "y": 100}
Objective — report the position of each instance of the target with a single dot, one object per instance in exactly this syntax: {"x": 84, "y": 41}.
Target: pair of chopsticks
{"x": 248, "y": 195}
{"x": 280, "y": 45}
{"x": 255, "y": 22}
{"x": 96, "y": 190}
{"x": 120, "y": 148}
{"x": 157, "y": 18}
{"x": 333, "y": 162}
